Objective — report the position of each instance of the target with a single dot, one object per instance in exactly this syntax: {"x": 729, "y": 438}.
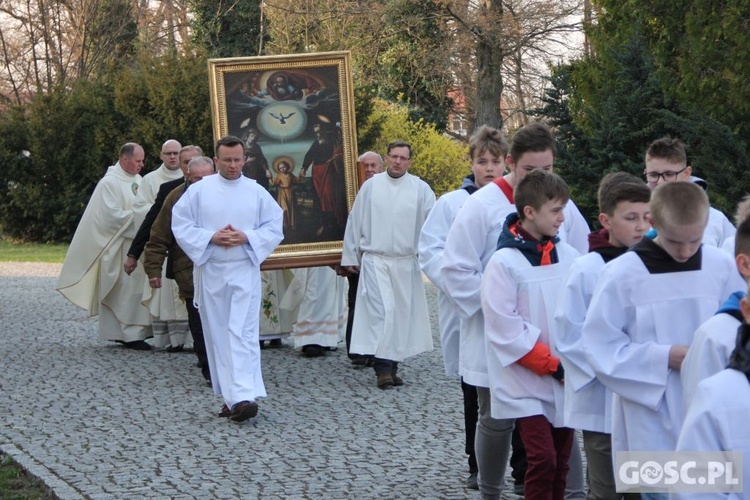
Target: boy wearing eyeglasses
{"x": 666, "y": 161}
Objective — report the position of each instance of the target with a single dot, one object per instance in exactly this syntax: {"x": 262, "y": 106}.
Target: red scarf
{"x": 506, "y": 188}
{"x": 544, "y": 248}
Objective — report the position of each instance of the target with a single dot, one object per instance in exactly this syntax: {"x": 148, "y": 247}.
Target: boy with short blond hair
{"x": 519, "y": 291}
{"x": 487, "y": 150}
{"x": 623, "y": 205}
{"x": 644, "y": 312}
{"x": 666, "y": 161}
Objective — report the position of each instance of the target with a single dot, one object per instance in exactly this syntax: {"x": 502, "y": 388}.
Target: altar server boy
{"x": 644, "y": 312}
{"x": 520, "y": 288}
{"x": 623, "y": 206}
{"x": 715, "y": 339}
{"x": 717, "y": 417}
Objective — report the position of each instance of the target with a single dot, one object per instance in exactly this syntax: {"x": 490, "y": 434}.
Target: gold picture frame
{"x": 295, "y": 114}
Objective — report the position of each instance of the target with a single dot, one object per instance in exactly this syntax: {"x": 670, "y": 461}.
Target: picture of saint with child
{"x": 298, "y": 138}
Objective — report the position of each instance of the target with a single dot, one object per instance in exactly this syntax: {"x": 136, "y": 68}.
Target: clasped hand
{"x": 228, "y": 236}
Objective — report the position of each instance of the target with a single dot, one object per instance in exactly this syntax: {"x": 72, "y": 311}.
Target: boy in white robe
{"x": 471, "y": 242}
{"x": 623, "y": 205}
{"x": 717, "y": 337}
{"x": 488, "y": 148}
{"x": 380, "y": 243}
{"x": 228, "y": 224}
{"x": 716, "y": 419}
{"x": 666, "y": 161}
{"x": 644, "y": 312}
{"x": 92, "y": 276}
{"x": 520, "y": 289}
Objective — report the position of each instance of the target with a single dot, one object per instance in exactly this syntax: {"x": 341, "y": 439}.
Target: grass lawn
{"x": 31, "y": 252}
{"x": 16, "y": 484}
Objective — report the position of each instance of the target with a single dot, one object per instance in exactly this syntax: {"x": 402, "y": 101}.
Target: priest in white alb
{"x": 169, "y": 318}
{"x": 380, "y": 243}
{"x": 228, "y": 224}
{"x": 92, "y": 276}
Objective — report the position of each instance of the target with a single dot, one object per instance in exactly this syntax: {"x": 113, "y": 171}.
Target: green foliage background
{"x": 655, "y": 68}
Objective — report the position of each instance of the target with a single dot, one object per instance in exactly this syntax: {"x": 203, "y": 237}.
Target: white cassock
{"x": 164, "y": 303}
{"x": 519, "y": 302}
{"x": 382, "y": 234}
{"x": 588, "y": 403}
{"x": 719, "y": 229}
{"x": 431, "y": 245}
{"x": 92, "y": 276}
{"x": 471, "y": 241}
{"x": 634, "y": 318}
{"x": 319, "y": 296}
{"x": 717, "y": 421}
{"x": 709, "y": 353}
{"x": 227, "y": 280}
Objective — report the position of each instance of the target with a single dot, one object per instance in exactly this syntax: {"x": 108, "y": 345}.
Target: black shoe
{"x": 243, "y": 411}
{"x": 471, "y": 481}
{"x": 312, "y": 351}
{"x": 174, "y": 348}
{"x": 275, "y": 343}
{"x": 359, "y": 362}
{"x": 137, "y": 345}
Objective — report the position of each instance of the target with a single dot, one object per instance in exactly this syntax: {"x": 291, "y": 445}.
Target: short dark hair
{"x": 534, "y": 137}
{"x": 668, "y": 148}
{"x": 229, "y": 141}
{"x": 742, "y": 238}
{"x": 400, "y": 144}
{"x": 537, "y": 188}
{"x": 128, "y": 149}
{"x": 487, "y": 139}
{"x": 621, "y": 186}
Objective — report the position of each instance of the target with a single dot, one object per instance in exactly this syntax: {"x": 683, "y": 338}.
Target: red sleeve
{"x": 540, "y": 360}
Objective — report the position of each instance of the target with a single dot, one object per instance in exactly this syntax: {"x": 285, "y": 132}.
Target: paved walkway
{"x": 97, "y": 421}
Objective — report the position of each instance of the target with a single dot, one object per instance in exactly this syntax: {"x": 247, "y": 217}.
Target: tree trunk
{"x": 489, "y": 65}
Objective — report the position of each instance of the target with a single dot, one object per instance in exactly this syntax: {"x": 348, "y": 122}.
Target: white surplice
{"x": 92, "y": 276}
{"x": 391, "y": 319}
{"x": 717, "y": 421}
{"x": 634, "y": 319}
{"x": 164, "y": 303}
{"x": 227, "y": 280}
{"x": 471, "y": 241}
{"x": 519, "y": 301}
{"x": 719, "y": 229}
{"x": 431, "y": 246}
{"x": 588, "y": 403}
{"x": 319, "y": 295}
{"x": 709, "y": 353}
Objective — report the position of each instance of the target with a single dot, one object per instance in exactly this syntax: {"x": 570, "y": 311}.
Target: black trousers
{"x": 199, "y": 343}
{"x": 471, "y": 417}
{"x": 352, "y": 298}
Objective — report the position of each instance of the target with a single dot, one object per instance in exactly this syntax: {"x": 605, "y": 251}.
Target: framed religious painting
{"x": 295, "y": 115}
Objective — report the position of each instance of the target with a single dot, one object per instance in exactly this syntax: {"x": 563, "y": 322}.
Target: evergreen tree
{"x": 228, "y": 29}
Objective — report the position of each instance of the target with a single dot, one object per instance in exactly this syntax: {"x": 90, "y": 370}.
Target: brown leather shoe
{"x": 397, "y": 381}
{"x": 243, "y": 410}
{"x": 385, "y": 380}
{"x": 225, "y": 412}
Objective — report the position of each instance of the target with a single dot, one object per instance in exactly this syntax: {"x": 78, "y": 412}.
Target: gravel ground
{"x": 93, "y": 420}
